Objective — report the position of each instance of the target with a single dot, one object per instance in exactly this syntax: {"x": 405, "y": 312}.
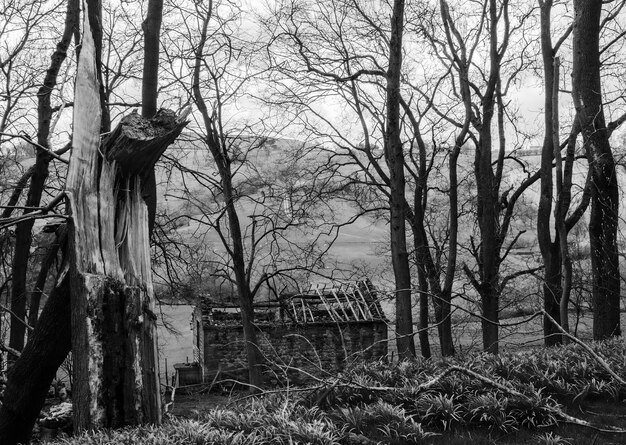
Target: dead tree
{"x": 111, "y": 370}
{"x": 109, "y": 285}
{"x": 113, "y": 320}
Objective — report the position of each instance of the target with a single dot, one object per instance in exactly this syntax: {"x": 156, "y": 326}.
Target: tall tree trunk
{"x": 30, "y": 378}
{"x": 94, "y": 9}
{"x": 255, "y": 358}
{"x": 488, "y": 203}
{"x": 150, "y": 90}
{"x": 441, "y": 300}
{"x": 23, "y": 232}
{"x": 603, "y": 222}
{"x": 395, "y": 159}
{"x": 487, "y": 215}
{"x": 446, "y": 290}
{"x": 563, "y": 191}
{"x": 550, "y": 251}
{"x": 151, "y": 37}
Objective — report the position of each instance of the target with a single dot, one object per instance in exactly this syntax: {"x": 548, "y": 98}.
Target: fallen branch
{"x": 586, "y": 347}
{"x": 557, "y": 411}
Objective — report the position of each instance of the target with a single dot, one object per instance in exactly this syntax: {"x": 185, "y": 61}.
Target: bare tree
{"x": 394, "y": 154}
{"x": 557, "y": 265}
{"x": 482, "y": 88}
{"x": 255, "y": 196}
{"x": 356, "y": 72}
{"x": 603, "y": 223}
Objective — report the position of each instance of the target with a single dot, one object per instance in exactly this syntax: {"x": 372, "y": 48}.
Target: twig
{"x": 6, "y": 309}
{"x": 35, "y": 144}
{"x": 41, "y": 213}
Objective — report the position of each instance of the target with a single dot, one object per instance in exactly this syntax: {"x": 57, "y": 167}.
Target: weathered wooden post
{"x": 113, "y": 319}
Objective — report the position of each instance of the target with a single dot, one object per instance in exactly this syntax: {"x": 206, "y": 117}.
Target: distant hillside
{"x": 275, "y": 165}
{"x": 271, "y": 185}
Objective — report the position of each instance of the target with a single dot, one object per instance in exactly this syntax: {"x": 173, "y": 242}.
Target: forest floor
{"x": 601, "y": 413}
{"x": 562, "y": 395}
{"x": 600, "y": 410}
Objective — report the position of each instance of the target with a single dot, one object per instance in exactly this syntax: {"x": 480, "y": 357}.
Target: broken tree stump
{"x": 113, "y": 321}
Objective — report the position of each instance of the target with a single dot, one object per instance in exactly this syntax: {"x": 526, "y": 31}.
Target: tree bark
{"x": 395, "y": 159}
{"x": 552, "y": 294}
{"x": 112, "y": 299}
{"x": 151, "y": 37}
{"x": 423, "y": 315}
{"x": 603, "y": 222}
{"x": 490, "y": 298}
{"x": 94, "y": 11}
{"x": 29, "y": 379}
{"x": 42, "y": 277}
{"x": 150, "y": 89}
{"x": 254, "y": 356}
{"x": 563, "y": 191}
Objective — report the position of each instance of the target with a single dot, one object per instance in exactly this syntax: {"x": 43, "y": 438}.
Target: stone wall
{"x": 313, "y": 347}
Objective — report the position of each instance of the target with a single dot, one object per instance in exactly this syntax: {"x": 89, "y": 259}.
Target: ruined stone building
{"x": 311, "y": 332}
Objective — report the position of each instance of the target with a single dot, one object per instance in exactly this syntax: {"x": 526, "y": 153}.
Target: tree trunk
{"x": 550, "y": 251}
{"x": 94, "y": 11}
{"x": 447, "y": 344}
{"x": 395, "y": 160}
{"x": 563, "y": 191}
{"x": 552, "y": 294}
{"x": 444, "y": 318}
{"x": 113, "y": 320}
{"x": 23, "y": 232}
{"x": 487, "y": 187}
{"x": 42, "y": 277}
{"x": 255, "y": 358}
{"x": 491, "y": 308}
{"x": 441, "y": 300}
{"x": 423, "y": 314}
{"x": 603, "y": 222}
{"x": 151, "y": 32}
{"x": 29, "y": 379}
{"x": 150, "y": 90}
{"x": 490, "y": 247}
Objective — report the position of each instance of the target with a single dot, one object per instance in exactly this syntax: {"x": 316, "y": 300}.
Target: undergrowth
{"x": 379, "y": 402}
